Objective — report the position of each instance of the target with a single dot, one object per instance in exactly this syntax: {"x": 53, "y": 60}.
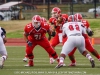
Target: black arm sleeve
{"x": 4, "y": 31}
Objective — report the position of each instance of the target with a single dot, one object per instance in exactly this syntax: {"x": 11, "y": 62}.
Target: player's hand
{"x": 29, "y": 43}
{"x": 53, "y": 34}
{"x": 59, "y": 20}
{"x": 90, "y": 33}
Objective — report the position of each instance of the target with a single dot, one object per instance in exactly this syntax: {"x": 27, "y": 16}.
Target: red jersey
{"x": 86, "y": 23}
{"x": 53, "y": 20}
{"x": 37, "y": 34}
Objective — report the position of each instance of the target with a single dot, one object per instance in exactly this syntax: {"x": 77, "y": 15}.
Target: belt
{"x": 77, "y": 34}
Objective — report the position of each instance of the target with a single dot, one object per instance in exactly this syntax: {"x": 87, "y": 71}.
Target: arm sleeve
{"x": 3, "y": 34}
{"x": 4, "y": 31}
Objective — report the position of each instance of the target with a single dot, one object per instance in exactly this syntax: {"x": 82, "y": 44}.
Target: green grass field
{"x": 15, "y": 66}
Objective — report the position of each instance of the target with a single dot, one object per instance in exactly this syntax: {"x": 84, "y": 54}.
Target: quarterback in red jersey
{"x": 34, "y": 34}
{"x": 88, "y": 44}
{"x": 57, "y": 20}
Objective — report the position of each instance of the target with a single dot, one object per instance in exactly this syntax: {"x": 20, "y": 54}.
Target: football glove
{"x": 53, "y": 34}
{"x": 29, "y": 43}
{"x": 90, "y": 33}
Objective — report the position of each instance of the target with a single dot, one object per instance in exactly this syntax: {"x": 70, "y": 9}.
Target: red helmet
{"x": 78, "y": 16}
{"x": 71, "y": 18}
{"x": 36, "y": 21}
{"x": 56, "y": 12}
{"x": 43, "y": 19}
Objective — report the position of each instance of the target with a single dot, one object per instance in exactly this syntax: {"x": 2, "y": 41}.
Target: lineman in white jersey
{"x": 74, "y": 32}
{"x": 3, "y": 51}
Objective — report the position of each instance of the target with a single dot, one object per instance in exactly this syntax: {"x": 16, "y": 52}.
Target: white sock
{"x": 5, "y": 57}
{"x": 89, "y": 56}
{"x": 61, "y": 59}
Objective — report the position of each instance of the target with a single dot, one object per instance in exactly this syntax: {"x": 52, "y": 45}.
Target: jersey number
{"x": 72, "y": 28}
{"x": 37, "y": 36}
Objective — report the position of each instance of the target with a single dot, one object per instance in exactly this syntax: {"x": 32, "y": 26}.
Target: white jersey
{"x": 2, "y": 46}
{"x": 73, "y": 28}
{"x": 74, "y": 31}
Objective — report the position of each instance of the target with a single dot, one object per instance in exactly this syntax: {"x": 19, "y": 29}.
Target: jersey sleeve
{"x": 27, "y": 28}
{"x": 65, "y": 16}
{"x": 52, "y": 20}
{"x": 87, "y": 24}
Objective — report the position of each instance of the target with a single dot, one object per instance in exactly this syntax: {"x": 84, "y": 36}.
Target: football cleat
{"x": 25, "y": 59}
{"x": 64, "y": 64}
{"x": 72, "y": 64}
{"x": 52, "y": 60}
{"x": 92, "y": 63}
{"x": 1, "y": 62}
{"x": 59, "y": 65}
{"x": 30, "y": 63}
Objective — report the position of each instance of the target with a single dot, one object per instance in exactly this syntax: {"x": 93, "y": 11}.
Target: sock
{"x": 5, "y": 57}
{"x": 89, "y": 57}
{"x": 73, "y": 61}
{"x": 61, "y": 59}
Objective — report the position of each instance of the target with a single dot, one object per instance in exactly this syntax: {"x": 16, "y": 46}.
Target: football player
{"x": 26, "y": 57}
{"x": 74, "y": 30}
{"x": 3, "y": 51}
{"x": 34, "y": 34}
{"x": 88, "y": 44}
{"x": 57, "y": 20}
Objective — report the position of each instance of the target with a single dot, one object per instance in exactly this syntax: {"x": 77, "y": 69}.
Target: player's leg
{"x": 3, "y": 53}
{"x": 90, "y": 48}
{"x": 25, "y": 59}
{"x": 29, "y": 52}
{"x": 66, "y": 49}
{"x": 72, "y": 58}
{"x": 54, "y": 42}
{"x": 81, "y": 48}
{"x": 46, "y": 45}
{"x": 71, "y": 54}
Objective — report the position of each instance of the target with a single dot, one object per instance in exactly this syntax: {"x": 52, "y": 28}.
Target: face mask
{"x": 54, "y": 14}
{"x": 36, "y": 24}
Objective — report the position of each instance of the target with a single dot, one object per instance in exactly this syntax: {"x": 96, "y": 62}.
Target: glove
{"x": 90, "y": 33}
{"x": 29, "y": 43}
{"x": 53, "y": 34}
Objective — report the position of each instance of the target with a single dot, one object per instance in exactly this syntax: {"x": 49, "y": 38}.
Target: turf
{"x": 15, "y": 66}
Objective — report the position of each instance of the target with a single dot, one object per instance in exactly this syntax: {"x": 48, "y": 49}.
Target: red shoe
{"x": 30, "y": 63}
